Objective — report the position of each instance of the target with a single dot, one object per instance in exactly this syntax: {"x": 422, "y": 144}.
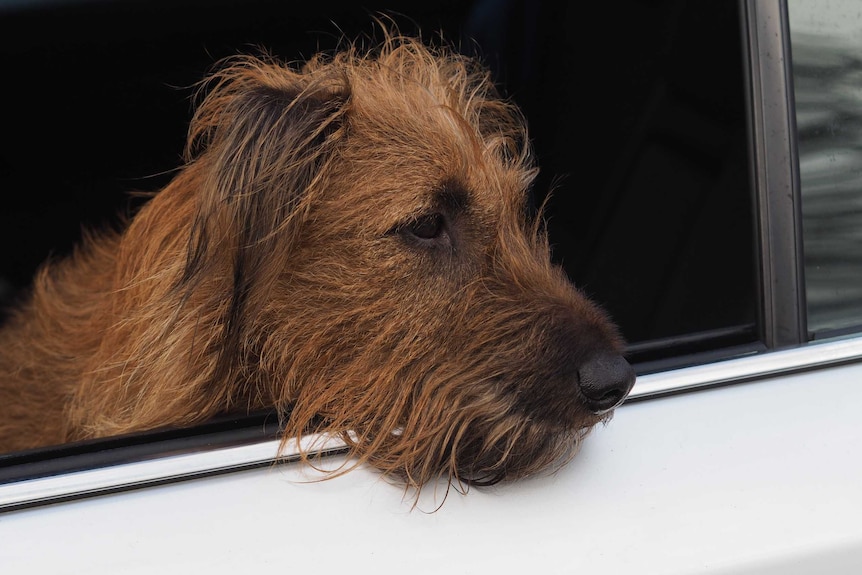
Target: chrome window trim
{"x": 125, "y": 476}
{"x": 811, "y": 356}
{"x": 64, "y": 487}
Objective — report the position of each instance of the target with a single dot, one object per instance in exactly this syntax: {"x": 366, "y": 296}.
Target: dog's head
{"x": 382, "y": 277}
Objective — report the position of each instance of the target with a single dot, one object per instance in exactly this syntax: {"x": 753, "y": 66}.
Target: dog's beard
{"x": 477, "y": 452}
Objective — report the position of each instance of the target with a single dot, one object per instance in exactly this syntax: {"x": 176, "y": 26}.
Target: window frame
{"x": 775, "y": 172}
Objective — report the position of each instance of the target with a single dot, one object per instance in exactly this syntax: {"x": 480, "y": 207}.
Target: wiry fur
{"x": 282, "y": 267}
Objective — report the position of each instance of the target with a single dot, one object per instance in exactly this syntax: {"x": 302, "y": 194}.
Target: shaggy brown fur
{"x": 349, "y": 243}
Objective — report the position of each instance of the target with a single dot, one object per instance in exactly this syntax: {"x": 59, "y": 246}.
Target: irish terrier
{"x": 349, "y": 243}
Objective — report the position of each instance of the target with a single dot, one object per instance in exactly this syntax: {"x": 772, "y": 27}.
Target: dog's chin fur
{"x": 348, "y": 242}
{"x": 470, "y": 453}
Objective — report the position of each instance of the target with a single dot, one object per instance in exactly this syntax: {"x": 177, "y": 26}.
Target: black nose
{"x": 605, "y": 379}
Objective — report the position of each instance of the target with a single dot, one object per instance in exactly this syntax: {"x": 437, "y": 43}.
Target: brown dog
{"x": 348, "y": 243}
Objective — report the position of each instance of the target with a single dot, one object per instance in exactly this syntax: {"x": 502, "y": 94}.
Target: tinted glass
{"x": 827, "y": 69}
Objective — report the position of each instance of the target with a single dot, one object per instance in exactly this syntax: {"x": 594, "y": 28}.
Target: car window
{"x": 645, "y": 147}
{"x": 827, "y": 76}
{"x": 653, "y": 214}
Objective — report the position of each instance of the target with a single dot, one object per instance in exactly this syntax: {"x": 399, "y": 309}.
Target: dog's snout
{"x": 605, "y": 379}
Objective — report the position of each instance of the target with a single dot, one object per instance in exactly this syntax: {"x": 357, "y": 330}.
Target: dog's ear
{"x": 261, "y": 139}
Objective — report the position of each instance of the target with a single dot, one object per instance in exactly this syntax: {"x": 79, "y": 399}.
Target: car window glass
{"x": 827, "y": 68}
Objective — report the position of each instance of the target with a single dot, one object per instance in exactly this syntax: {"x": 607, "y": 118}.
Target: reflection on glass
{"x": 826, "y": 43}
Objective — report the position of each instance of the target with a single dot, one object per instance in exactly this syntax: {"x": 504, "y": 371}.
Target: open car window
{"x": 645, "y": 149}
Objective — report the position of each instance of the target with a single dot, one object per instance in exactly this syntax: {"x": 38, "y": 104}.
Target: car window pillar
{"x": 775, "y": 173}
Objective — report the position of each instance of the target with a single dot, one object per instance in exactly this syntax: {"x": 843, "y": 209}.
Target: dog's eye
{"x": 427, "y": 227}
